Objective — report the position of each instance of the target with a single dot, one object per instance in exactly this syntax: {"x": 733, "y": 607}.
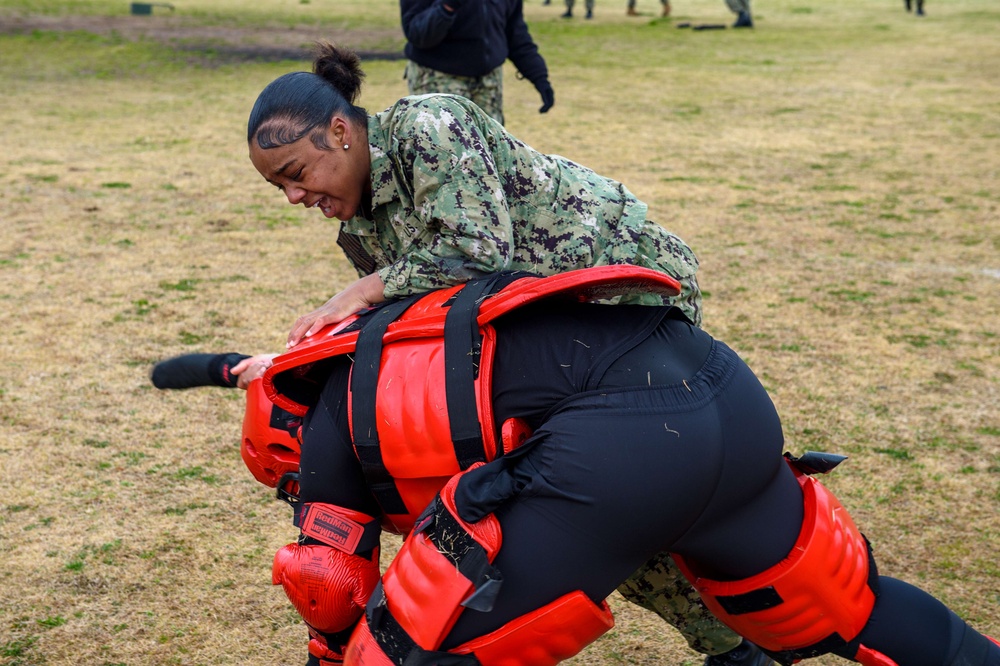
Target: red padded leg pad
{"x": 423, "y": 587}
{"x": 549, "y": 635}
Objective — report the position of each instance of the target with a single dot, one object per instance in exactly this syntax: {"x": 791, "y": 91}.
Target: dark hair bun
{"x": 340, "y": 67}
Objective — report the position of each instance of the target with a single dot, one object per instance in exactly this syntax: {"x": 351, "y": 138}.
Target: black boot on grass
{"x": 744, "y": 654}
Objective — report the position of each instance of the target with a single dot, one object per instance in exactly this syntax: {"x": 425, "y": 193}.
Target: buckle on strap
{"x": 289, "y": 480}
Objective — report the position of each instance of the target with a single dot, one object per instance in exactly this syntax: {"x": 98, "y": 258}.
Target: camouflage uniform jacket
{"x": 455, "y": 197}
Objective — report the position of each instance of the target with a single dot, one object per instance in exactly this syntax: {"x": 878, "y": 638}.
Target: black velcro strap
{"x": 750, "y": 602}
{"x": 454, "y": 542}
{"x": 462, "y": 348}
{"x": 396, "y": 643}
{"x": 364, "y": 390}
{"x": 815, "y": 462}
{"x": 282, "y": 420}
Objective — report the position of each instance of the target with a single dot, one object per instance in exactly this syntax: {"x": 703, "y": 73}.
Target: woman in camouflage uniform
{"x": 433, "y": 192}
{"x": 442, "y": 194}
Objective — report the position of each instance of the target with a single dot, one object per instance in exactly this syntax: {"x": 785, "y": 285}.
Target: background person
{"x": 742, "y": 10}
{"x": 459, "y": 47}
{"x": 589, "y": 4}
{"x": 631, "y": 10}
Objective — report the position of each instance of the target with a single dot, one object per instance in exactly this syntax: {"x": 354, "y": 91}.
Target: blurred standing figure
{"x": 459, "y": 47}
{"x": 632, "y": 12}
{"x": 589, "y": 4}
{"x": 742, "y": 9}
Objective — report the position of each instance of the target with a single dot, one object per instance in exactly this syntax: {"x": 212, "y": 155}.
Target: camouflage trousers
{"x": 659, "y": 586}
{"x": 738, "y": 6}
{"x": 485, "y": 91}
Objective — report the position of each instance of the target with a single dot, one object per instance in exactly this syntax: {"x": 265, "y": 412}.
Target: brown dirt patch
{"x": 225, "y": 43}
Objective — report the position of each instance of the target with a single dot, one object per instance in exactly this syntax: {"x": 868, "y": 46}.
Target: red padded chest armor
{"x": 413, "y": 424}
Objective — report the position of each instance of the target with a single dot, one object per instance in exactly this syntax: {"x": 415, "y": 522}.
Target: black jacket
{"x": 473, "y": 40}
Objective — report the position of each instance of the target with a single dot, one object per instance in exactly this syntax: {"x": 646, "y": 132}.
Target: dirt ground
{"x": 225, "y": 43}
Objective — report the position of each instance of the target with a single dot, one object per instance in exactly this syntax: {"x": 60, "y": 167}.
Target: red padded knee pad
{"x": 328, "y": 587}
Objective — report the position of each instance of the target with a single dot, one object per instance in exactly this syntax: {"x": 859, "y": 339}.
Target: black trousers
{"x": 613, "y": 477}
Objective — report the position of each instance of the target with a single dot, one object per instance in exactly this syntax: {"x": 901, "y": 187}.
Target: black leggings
{"x": 613, "y": 477}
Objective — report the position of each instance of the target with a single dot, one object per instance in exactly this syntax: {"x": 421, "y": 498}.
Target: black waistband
{"x": 673, "y": 352}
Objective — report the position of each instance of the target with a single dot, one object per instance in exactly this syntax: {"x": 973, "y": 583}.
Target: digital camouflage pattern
{"x": 659, "y": 586}
{"x": 486, "y": 90}
{"x": 456, "y": 197}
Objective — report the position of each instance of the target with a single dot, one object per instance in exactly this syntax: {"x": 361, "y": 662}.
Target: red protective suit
{"x": 410, "y": 431}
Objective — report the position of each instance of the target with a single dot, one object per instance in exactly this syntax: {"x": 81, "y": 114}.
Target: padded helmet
{"x": 270, "y": 447}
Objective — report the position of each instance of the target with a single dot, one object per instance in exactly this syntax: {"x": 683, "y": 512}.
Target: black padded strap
{"x": 462, "y": 348}
{"x": 469, "y": 557}
{"x": 335, "y": 530}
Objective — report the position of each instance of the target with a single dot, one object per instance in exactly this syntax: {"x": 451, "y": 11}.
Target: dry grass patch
{"x": 836, "y": 170}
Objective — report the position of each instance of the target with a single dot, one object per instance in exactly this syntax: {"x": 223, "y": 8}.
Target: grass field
{"x": 837, "y": 169}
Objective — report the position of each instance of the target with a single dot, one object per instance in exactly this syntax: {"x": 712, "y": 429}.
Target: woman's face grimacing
{"x": 333, "y": 180}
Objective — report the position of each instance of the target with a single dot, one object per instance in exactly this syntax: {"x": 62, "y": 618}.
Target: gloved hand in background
{"x": 548, "y": 95}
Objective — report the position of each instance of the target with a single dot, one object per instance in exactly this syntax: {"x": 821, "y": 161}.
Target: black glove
{"x": 548, "y": 95}
{"x": 192, "y": 370}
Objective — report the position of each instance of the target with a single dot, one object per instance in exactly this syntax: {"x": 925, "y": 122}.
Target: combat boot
{"x": 743, "y": 21}
{"x": 744, "y": 654}
{"x": 590, "y": 13}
